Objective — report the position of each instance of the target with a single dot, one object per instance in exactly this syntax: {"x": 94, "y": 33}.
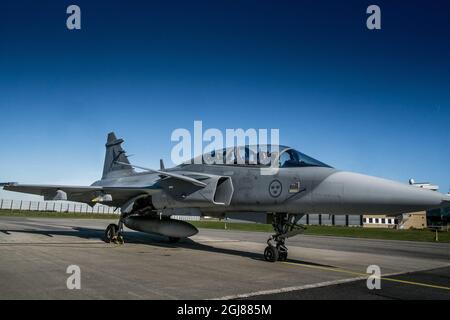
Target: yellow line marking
{"x": 417, "y": 283}
{"x": 367, "y": 275}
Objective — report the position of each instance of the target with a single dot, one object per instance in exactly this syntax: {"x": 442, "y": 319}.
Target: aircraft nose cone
{"x": 376, "y": 195}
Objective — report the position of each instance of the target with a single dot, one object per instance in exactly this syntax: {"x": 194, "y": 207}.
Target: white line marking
{"x": 316, "y": 285}
{"x": 289, "y": 289}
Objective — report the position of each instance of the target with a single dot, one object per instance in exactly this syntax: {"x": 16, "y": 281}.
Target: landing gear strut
{"x": 285, "y": 226}
{"x": 113, "y": 233}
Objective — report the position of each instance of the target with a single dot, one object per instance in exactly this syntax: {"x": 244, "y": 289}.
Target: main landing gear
{"x": 113, "y": 233}
{"x": 285, "y": 226}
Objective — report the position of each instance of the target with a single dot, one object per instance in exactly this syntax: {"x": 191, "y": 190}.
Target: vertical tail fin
{"x": 114, "y": 153}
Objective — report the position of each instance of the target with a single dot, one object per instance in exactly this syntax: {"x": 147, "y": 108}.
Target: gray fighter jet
{"x": 297, "y": 184}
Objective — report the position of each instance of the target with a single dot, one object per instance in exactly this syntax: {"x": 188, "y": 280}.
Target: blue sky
{"x": 376, "y": 102}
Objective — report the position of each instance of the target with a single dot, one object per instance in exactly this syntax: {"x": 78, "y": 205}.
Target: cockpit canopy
{"x": 258, "y": 155}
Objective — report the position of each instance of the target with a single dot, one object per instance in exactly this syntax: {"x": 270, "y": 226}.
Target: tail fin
{"x": 114, "y": 153}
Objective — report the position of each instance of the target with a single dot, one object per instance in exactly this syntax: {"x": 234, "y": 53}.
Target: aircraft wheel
{"x": 111, "y": 233}
{"x": 282, "y": 256}
{"x": 271, "y": 254}
{"x": 174, "y": 239}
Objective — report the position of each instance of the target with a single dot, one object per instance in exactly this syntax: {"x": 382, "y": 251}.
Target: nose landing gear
{"x": 285, "y": 226}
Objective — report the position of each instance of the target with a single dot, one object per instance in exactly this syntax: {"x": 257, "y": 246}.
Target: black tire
{"x": 174, "y": 239}
{"x": 111, "y": 232}
{"x": 271, "y": 254}
{"x": 282, "y": 256}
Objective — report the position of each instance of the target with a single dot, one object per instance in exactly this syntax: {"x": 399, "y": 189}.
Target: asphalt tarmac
{"x": 215, "y": 264}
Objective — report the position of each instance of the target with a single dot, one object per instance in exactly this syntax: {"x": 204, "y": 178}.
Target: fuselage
{"x": 321, "y": 190}
{"x": 302, "y": 190}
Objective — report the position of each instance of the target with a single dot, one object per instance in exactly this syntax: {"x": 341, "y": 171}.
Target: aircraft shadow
{"x": 153, "y": 240}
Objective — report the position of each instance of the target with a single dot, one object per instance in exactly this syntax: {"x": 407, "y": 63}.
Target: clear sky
{"x": 375, "y": 102}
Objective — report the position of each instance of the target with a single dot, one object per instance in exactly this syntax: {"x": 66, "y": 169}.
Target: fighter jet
{"x": 280, "y": 192}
